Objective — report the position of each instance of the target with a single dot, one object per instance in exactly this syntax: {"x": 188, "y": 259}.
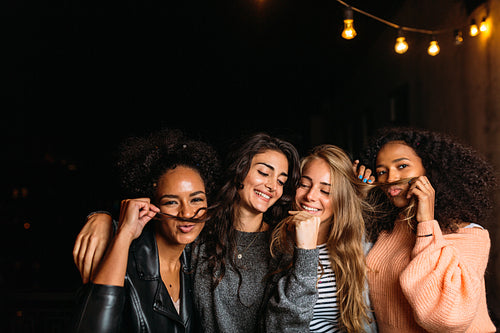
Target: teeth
{"x": 263, "y": 195}
{"x": 310, "y": 209}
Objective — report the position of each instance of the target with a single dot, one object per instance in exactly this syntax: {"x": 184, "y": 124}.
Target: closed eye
{"x": 263, "y": 173}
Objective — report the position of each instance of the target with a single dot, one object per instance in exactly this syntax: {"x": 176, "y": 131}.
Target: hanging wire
{"x": 394, "y": 25}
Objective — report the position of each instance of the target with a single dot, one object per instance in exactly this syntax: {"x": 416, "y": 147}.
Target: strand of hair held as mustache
{"x": 193, "y": 219}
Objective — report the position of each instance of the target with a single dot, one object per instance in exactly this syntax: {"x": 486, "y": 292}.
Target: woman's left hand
{"x": 422, "y": 189}
{"x": 362, "y": 172}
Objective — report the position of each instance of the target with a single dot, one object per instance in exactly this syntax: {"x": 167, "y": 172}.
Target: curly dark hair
{"x": 143, "y": 160}
{"x": 220, "y": 235}
{"x": 463, "y": 180}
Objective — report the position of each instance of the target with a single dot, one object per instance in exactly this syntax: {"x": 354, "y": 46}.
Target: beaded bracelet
{"x": 428, "y": 235}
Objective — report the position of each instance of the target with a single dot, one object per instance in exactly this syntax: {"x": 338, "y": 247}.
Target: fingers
{"x": 79, "y": 254}
{"x": 355, "y": 166}
{"x": 134, "y": 215}
{"x": 420, "y": 186}
{"x": 363, "y": 173}
{"x": 423, "y": 190}
{"x": 91, "y": 243}
{"x": 306, "y": 227}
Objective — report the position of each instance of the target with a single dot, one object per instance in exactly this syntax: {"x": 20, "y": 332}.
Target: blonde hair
{"x": 346, "y": 235}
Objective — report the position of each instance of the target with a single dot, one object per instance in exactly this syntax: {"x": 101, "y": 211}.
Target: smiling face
{"x": 263, "y": 185}
{"x": 313, "y": 193}
{"x": 181, "y": 192}
{"x": 395, "y": 161}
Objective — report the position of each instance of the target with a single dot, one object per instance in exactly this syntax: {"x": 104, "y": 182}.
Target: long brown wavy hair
{"x": 346, "y": 235}
{"x": 219, "y": 234}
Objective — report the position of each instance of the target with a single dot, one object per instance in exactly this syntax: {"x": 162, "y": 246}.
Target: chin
{"x": 400, "y": 202}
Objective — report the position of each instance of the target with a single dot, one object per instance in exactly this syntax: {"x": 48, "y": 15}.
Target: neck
{"x": 324, "y": 231}
{"x": 169, "y": 254}
{"x": 249, "y": 222}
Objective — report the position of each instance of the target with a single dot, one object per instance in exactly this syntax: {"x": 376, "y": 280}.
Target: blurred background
{"x": 77, "y": 77}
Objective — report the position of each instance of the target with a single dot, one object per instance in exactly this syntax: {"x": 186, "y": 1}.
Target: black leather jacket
{"x": 143, "y": 304}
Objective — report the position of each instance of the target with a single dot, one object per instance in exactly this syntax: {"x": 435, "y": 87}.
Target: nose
{"x": 312, "y": 194}
{"x": 393, "y": 175}
{"x": 271, "y": 184}
{"x": 186, "y": 211}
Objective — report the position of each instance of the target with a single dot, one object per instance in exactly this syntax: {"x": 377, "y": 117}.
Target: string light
{"x": 483, "y": 27}
{"x": 348, "y": 32}
{"x": 433, "y": 49}
{"x": 459, "y": 38}
{"x": 401, "y": 45}
{"x": 473, "y": 30}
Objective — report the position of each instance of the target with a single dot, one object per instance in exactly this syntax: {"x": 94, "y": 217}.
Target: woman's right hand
{"x": 306, "y": 229}
{"x": 134, "y": 215}
{"x": 91, "y": 243}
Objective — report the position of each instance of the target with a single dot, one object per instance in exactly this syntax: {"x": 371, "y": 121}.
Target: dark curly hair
{"x": 463, "y": 180}
{"x": 143, "y": 160}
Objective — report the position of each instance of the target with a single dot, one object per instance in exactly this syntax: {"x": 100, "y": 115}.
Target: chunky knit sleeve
{"x": 291, "y": 305}
{"x": 444, "y": 281}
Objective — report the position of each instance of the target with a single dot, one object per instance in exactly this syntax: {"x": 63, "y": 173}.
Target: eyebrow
{"x": 395, "y": 161}
{"x": 173, "y": 196}
{"x": 322, "y": 183}
{"x": 272, "y": 168}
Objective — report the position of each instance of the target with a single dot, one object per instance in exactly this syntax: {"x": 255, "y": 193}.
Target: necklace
{"x": 239, "y": 255}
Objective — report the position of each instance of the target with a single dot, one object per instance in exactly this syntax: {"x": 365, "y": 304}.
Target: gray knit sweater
{"x": 223, "y": 310}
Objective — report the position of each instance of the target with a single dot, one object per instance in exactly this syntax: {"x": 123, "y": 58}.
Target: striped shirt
{"x": 326, "y": 309}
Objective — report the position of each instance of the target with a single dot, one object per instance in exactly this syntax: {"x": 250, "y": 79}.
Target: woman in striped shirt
{"x": 328, "y": 293}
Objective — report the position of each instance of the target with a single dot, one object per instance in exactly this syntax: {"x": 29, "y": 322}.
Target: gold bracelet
{"x": 428, "y": 235}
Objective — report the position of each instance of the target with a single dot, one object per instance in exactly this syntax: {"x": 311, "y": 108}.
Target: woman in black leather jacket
{"x": 143, "y": 283}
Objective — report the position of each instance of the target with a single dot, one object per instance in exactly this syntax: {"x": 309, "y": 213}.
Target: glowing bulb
{"x": 483, "y": 26}
{"x": 459, "y": 38}
{"x": 433, "y": 48}
{"x": 473, "y": 30}
{"x": 348, "y": 32}
{"x": 401, "y": 45}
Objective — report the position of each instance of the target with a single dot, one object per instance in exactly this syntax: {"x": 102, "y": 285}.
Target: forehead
{"x": 317, "y": 169}
{"x": 394, "y": 150}
{"x": 181, "y": 178}
{"x": 273, "y": 158}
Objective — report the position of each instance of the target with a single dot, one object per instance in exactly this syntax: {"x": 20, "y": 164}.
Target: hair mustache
{"x": 404, "y": 181}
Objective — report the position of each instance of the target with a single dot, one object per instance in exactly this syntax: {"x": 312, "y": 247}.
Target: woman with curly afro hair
{"x": 426, "y": 268}
{"x": 143, "y": 282}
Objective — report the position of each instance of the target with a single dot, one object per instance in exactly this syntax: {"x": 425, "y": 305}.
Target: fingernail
{"x": 365, "y": 180}
{"x": 370, "y": 181}
{"x": 360, "y": 176}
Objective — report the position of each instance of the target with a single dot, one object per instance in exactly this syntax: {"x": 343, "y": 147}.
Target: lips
{"x": 263, "y": 195}
{"x": 394, "y": 191}
{"x": 185, "y": 228}
{"x": 309, "y": 209}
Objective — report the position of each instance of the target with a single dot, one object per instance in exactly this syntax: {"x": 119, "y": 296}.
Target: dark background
{"x": 77, "y": 77}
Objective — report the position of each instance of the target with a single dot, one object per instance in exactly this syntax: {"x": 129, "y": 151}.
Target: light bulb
{"x": 348, "y": 32}
{"x": 459, "y": 38}
{"x": 473, "y": 30}
{"x": 433, "y": 48}
{"x": 483, "y": 26}
{"x": 401, "y": 45}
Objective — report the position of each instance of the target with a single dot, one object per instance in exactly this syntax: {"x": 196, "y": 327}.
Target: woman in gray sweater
{"x": 231, "y": 259}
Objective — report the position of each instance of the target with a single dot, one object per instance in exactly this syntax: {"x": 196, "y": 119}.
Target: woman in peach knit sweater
{"x": 426, "y": 268}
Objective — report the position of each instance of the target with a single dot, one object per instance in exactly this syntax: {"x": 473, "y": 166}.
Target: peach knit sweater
{"x": 433, "y": 284}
